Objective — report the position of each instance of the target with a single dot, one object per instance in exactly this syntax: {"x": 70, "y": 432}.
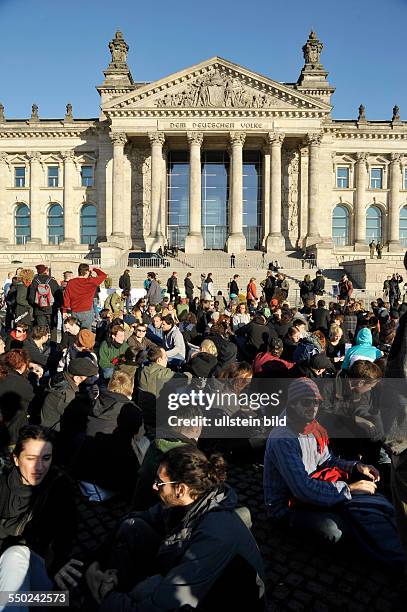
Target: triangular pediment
{"x": 215, "y": 85}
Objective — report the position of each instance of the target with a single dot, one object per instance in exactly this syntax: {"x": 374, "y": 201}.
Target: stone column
{"x": 275, "y": 242}
{"x": 360, "y": 207}
{"x": 266, "y": 193}
{"x": 7, "y": 227}
{"x": 70, "y": 218}
{"x": 194, "y": 239}
{"x": 35, "y": 197}
{"x": 394, "y": 208}
{"x": 119, "y": 140}
{"x": 236, "y": 242}
{"x": 314, "y": 210}
{"x": 156, "y": 239}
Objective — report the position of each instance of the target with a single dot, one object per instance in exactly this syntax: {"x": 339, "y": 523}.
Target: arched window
{"x": 22, "y": 224}
{"x": 340, "y": 225}
{"x": 403, "y": 226}
{"x": 55, "y": 223}
{"x": 88, "y": 224}
{"x": 373, "y": 224}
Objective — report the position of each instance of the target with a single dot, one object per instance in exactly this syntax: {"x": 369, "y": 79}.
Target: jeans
{"x": 85, "y": 318}
{"x": 21, "y": 569}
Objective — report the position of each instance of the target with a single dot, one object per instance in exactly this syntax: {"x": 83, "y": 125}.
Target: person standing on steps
{"x": 233, "y": 261}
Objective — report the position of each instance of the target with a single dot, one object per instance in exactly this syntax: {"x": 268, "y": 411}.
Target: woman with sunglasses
{"x": 186, "y": 551}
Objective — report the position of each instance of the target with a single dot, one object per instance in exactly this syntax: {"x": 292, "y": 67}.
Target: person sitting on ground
{"x": 174, "y": 344}
{"x": 38, "y": 519}
{"x": 171, "y": 437}
{"x": 37, "y": 345}
{"x": 318, "y": 365}
{"x": 290, "y": 342}
{"x": 16, "y": 338}
{"x": 150, "y": 313}
{"x": 318, "y": 494}
{"x": 111, "y": 348}
{"x": 203, "y": 363}
{"x": 71, "y": 329}
{"x": 270, "y": 364}
{"x": 62, "y": 389}
{"x": 16, "y": 393}
{"x": 154, "y": 330}
{"x": 254, "y": 337}
{"x": 241, "y": 316}
{"x": 115, "y": 303}
{"x": 335, "y": 348}
{"x": 82, "y": 347}
{"x": 363, "y": 349}
{"x": 215, "y": 549}
{"x": 138, "y": 339}
{"x": 187, "y": 327}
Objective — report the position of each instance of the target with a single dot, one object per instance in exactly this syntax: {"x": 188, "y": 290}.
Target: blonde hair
{"x": 335, "y": 330}
{"x": 26, "y": 275}
{"x": 207, "y": 346}
{"x": 122, "y": 383}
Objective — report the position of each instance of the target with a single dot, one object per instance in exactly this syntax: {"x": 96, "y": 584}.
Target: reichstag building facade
{"x": 213, "y": 157}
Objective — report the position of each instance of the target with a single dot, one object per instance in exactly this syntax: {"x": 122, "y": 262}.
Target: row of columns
{"x": 362, "y": 180}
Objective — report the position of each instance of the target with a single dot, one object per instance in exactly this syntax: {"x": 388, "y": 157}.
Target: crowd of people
{"x": 81, "y": 384}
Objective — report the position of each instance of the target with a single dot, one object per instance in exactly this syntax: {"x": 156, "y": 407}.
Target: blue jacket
{"x": 363, "y": 349}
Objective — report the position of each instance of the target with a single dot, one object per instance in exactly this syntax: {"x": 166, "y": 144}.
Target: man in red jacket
{"x": 79, "y": 293}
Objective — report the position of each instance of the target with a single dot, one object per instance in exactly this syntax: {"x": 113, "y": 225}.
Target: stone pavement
{"x": 300, "y": 575}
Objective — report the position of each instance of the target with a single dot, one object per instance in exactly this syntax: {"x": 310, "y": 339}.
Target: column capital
{"x": 118, "y": 138}
{"x": 395, "y": 158}
{"x": 195, "y": 138}
{"x": 275, "y": 138}
{"x": 156, "y": 137}
{"x": 68, "y": 156}
{"x": 237, "y": 138}
{"x": 314, "y": 138}
{"x": 34, "y": 156}
{"x": 361, "y": 157}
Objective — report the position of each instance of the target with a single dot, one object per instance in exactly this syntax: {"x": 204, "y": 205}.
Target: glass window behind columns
{"x": 215, "y": 199}
{"x": 252, "y": 199}
{"x": 177, "y": 197}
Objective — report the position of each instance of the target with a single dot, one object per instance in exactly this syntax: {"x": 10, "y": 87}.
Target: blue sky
{"x": 54, "y": 52}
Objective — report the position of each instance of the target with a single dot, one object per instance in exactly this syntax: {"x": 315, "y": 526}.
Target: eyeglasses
{"x": 19, "y": 331}
{"x": 160, "y": 483}
{"x": 310, "y": 403}
{"x": 143, "y": 331}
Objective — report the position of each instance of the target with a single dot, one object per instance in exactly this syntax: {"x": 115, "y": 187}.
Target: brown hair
{"x": 16, "y": 359}
{"x": 122, "y": 383}
{"x": 365, "y": 370}
{"x": 83, "y": 268}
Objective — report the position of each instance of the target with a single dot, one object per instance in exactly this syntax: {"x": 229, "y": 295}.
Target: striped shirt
{"x": 289, "y": 461}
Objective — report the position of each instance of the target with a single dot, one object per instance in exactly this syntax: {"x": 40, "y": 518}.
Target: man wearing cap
{"x": 45, "y": 296}
{"x": 82, "y": 347}
{"x": 316, "y": 492}
{"x": 62, "y": 390}
{"x": 79, "y": 294}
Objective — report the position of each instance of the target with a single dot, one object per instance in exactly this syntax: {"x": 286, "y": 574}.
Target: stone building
{"x": 213, "y": 157}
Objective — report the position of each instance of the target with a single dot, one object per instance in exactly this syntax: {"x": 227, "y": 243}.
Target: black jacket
{"x": 16, "y": 395}
{"x": 106, "y": 409}
{"x": 321, "y": 319}
{"x": 61, "y": 392}
{"x": 43, "y": 517}
{"x": 125, "y": 282}
{"x": 319, "y": 285}
{"x": 257, "y": 335}
{"x": 189, "y": 288}
{"x": 36, "y": 355}
{"x": 233, "y": 288}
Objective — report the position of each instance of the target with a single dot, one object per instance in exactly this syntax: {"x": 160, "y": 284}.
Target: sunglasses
{"x": 310, "y": 403}
{"x": 160, "y": 483}
{"x": 19, "y": 331}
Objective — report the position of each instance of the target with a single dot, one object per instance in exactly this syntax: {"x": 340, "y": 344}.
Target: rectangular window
{"x": 87, "y": 176}
{"x": 19, "y": 176}
{"x": 53, "y": 176}
{"x": 342, "y": 178}
{"x": 376, "y": 178}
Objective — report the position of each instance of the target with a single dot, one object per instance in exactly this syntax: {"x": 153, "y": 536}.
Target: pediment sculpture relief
{"x": 219, "y": 90}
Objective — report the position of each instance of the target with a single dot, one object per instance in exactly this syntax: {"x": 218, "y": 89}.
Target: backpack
{"x": 43, "y": 295}
{"x": 304, "y": 351}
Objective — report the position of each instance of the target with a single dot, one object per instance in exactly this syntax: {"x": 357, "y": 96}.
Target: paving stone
{"x": 294, "y": 579}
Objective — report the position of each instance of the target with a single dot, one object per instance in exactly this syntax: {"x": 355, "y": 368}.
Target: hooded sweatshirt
{"x": 363, "y": 349}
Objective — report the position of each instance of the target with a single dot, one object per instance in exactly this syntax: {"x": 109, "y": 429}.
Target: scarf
{"x": 319, "y": 433}
{"x": 21, "y": 338}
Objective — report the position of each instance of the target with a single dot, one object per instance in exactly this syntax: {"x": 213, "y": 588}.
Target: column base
{"x": 236, "y": 243}
{"x": 110, "y": 254}
{"x": 275, "y": 243}
{"x": 395, "y": 247}
{"x": 360, "y": 247}
{"x": 153, "y": 243}
{"x": 194, "y": 244}
{"x": 311, "y": 240}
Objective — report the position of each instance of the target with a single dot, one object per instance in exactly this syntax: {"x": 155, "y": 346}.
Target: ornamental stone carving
{"x": 69, "y": 113}
{"x": 275, "y": 138}
{"x": 2, "y": 117}
{"x": 68, "y": 155}
{"x": 312, "y": 50}
{"x": 34, "y": 113}
{"x": 118, "y": 49}
{"x": 396, "y": 157}
{"x": 140, "y": 192}
{"x": 237, "y": 138}
{"x": 362, "y": 113}
{"x": 118, "y": 138}
{"x": 218, "y": 89}
{"x": 313, "y": 139}
{"x": 156, "y": 137}
{"x": 362, "y": 157}
{"x": 195, "y": 138}
{"x": 290, "y": 193}
{"x": 396, "y": 113}
{"x": 3, "y": 158}
{"x": 34, "y": 156}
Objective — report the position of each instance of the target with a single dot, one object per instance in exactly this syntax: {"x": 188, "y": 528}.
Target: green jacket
{"x": 154, "y": 376}
{"x": 107, "y": 352}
